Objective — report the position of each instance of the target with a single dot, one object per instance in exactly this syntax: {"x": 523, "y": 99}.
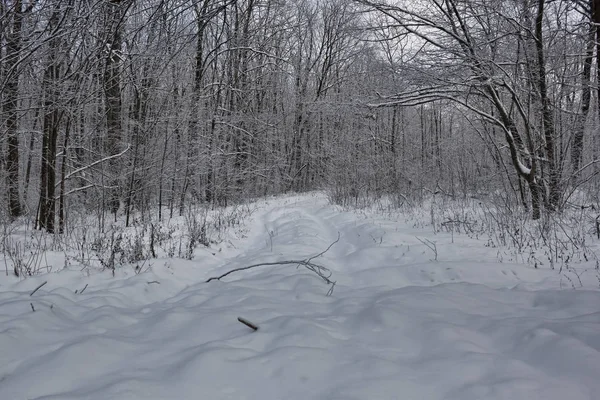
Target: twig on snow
{"x": 323, "y": 272}
{"x": 85, "y": 287}
{"x": 248, "y": 323}
{"x": 326, "y": 250}
{"x": 32, "y": 307}
{"x": 151, "y": 282}
{"x": 431, "y": 245}
{"x": 36, "y": 289}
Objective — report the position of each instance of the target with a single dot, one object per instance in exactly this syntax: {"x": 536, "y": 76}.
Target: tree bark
{"x": 586, "y": 91}
{"x": 52, "y": 116}
{"x": 111, "y": 80}
{"x": 9, "y": 108}
{"x": 547, "y": 112}
{"x": 63, "y": 171}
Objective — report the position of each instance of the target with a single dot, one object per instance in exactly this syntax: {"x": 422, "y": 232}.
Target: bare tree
{"x": 115, "y": 12}
{"x": 10, "y": 105}
{"x": 51, "y": 120}
{"x": 475, "y": 53}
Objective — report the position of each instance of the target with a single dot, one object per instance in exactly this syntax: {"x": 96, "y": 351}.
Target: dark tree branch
{"x": 323, "y": 272}
{"x": 248, "y": 323}
{"x": 37, "y": 288}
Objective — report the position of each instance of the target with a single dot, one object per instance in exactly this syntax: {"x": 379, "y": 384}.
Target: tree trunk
{"x": 63, "y": 170}
{"x": 586, "y": 91}
{"x": 554, "y": 191}
{"x": 596, "y": 21}
{"x": 51, "y": 123}
{"x": 9, "y": 108}
{"x": 114, "y": 16}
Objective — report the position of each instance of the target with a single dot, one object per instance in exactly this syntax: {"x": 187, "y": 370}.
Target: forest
{"x": 299, "y": 199}
{"x": 115, "y": 107}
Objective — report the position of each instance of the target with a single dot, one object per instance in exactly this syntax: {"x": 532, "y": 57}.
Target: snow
{"x": 524, "y": 170}
{"x": 399, "y": 324}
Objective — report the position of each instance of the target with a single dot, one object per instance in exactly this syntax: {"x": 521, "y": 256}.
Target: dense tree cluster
{"x": 113, "y": 106}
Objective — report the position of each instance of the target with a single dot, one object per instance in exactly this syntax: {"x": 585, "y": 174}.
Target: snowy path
{"x": 398, "y": 326}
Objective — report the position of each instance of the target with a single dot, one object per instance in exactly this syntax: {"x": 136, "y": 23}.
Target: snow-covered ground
{"x": 399, "y": 324}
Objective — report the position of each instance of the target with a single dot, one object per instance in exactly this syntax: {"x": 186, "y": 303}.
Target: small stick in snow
{"x": 151, "y": 282}
{"x": 248, "y": 323}
{"x": 36, "y": 289}
{"x": 82, "y": 290}
{"x": 32, "y": 307}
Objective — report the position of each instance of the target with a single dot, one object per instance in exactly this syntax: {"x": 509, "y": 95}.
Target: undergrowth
{"x": 565, "y": 241}
{"x": 84, "y": 244}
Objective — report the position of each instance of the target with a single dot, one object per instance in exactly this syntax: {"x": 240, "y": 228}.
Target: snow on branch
{"x": 323, "y": 272}
{"x": 78, "y": 170}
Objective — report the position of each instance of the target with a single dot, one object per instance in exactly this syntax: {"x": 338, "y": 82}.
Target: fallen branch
{"x": 37, "y": 288}
{"x": 326, "y": 250}
{"x": 248, "y": 323}
{"x": 323, "y": 272}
